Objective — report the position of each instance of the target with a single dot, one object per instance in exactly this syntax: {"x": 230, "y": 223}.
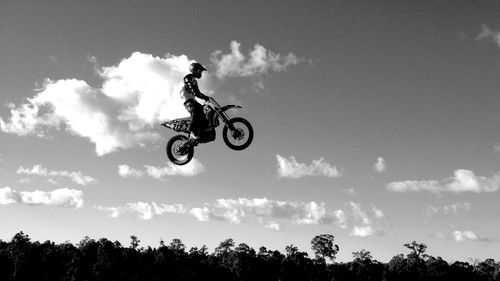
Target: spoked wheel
{"x": 241, "y": 136}
{"x": 176, "y": 152}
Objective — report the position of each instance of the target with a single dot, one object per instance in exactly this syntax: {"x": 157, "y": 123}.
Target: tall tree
{"x": 417, "y": 249}
{"x": 323, "y": 247}
{"x": 224, "y": 247}
{"x": 362, "y": 255}
{"x": 20, "y": 246}
{"x": 134, "y": 243}
{"x": 177, "y": 246}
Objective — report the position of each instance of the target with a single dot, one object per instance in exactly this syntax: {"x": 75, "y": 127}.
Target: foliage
{"x": 323, "y": 247}
{"x": 90, "y": 259}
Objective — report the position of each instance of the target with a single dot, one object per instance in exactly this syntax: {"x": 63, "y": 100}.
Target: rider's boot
{"x": 193, "y": 136}
{"x": 192, "y": 141}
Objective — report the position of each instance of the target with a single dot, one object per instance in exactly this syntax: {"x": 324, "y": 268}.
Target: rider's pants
{"x": 198, "y": 119}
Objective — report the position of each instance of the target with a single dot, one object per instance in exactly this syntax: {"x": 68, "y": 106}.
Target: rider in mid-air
{"x": 188, "y": 94}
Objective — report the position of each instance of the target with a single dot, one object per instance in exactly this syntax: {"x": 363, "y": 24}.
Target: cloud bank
{"x": 290, "y": 168}
{"x": 64, "y": 197}
{"x": 462, "y": 181}
{"x": 238, "y": 210}
{"x": 269, "y": 213}
{"x": 136, "y": 95}
{"x": 38, "y": 170}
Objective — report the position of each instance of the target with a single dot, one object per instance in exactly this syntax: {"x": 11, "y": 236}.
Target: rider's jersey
{"x": 190, "y": 89}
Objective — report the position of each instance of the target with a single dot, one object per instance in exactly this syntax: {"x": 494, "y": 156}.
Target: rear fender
{"x": 178, "y": 125}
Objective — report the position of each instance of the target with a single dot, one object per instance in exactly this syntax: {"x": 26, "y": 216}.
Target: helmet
{"x": 195, "y": 66}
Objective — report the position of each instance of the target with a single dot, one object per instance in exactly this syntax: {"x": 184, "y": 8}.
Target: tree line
{"x": 23, "y": 259}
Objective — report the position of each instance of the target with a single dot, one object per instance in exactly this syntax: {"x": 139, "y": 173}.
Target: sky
{"x": 375, "y": 121}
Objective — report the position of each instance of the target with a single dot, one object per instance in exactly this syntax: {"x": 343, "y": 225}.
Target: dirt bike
{"x": 237, "y": 132}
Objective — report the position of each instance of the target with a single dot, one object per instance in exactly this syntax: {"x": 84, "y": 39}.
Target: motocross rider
{"x": 188, "y": 94}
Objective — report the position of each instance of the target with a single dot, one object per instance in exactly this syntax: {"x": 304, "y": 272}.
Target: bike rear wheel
{"x": 241, "y": 134}
{"x": 177, "y": 152}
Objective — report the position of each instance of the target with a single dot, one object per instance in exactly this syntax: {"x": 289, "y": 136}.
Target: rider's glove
{"x": 204, "y": 97}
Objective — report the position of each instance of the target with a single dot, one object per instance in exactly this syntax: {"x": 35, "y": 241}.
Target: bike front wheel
{"x": 177, "y": 151}
{"x": 238, "y": 133}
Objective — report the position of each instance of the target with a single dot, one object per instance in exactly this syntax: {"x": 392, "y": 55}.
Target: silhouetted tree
{"x": 106, "y": 266}
{"x": 488, "y": 270}
{"x": 461, "y": 271}
{"x": 291, "y": 250}
{"x": 362, "y": 255}
{"x": 418, "y": 249}
{"x": 323, "y": 247}
{"x": 177, "y": 246}
{"x": 296, "y": 265}
{"x": 19, "y": 251}
{"x": 134, "y": 243}
{"x": 363, "y": 267}
{"x": 6, "y": 266}
{"x": 436, "y": 269}
{"x": 224, "y": 247}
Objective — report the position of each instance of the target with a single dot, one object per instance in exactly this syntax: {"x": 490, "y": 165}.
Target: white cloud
{"x": 365, "y": 217}
{"x": 63, "y": 197}
{"x": 147, "y": 211}
{"x": 201, "y": 214}
{"x": 8, "y": 196}
{"x": 363, "y": 231}
{"x": 378, "y": 213}
{"x": 363, "y": 220}
{"x": 487, "y": 33}
{"x": 113, "y": 212}
{"x": 237, "y": 210}
{"x": 447, "y": 209}
{"x": 460, "y": 236}
{"x": 193, "y": 168}
{"x": 260, "y": 61}
{"x": 462, "y": 181}
{"x": 25, "y": 180}
{"x": 143, "y": 210}
{"x": 359, "y": 214}
{"x": 38, "y": 170}
{"x": 135, "y": 96}
{"x": 349, "y": 191}
{"x": 269, "y": 213}
{"x": 128, "y": 172}
{"x": 463, "y": 236}
{"x": 290, "y": 168}
{"x": 273, "y": 226}
{"x": 380, "y": 166}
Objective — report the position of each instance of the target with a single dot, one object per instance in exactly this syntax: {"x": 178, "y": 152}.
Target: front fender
{"x": 229, "y": 106}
